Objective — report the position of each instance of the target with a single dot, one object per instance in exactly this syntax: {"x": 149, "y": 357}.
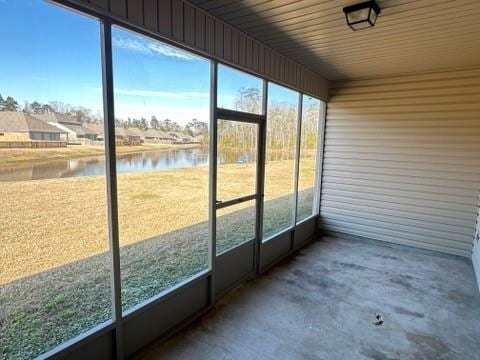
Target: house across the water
{"x": 20, "y": 126}
{"x": 134, "y": 135}
{"x": 75, "y": 132}
{"x": 97, "y": 128}
{"x": 181, "y": 138}
{"x": 158, "y": 136}
{"x": 128, "y": 136}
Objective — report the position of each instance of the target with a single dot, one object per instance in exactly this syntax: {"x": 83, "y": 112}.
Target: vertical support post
{"x": 297, "y": 158}
{"x": 261, "y": 163}
{"x": 111, "y": 178}
{"x": 212, "y": 194}
{"x": 319, "y": 163}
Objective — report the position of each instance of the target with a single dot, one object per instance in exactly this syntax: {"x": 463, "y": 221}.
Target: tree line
{"x": 281, "y": 121}
{"x": 80, "y": 113}
{"x": 8, "y": 104}
{"x": 281, "y": 125}
{"x": 193, "y": 128}
{"x": 85, "y": 115}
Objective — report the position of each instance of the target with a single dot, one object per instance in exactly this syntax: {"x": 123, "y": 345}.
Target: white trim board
{"x": 476, "y": 249}
{"x": 476, "y": 262}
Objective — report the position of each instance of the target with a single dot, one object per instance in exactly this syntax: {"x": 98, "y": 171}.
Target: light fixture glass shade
{"x": 362, "y": 15}
{"x": 358, "y": 15}
{"x": 372, "y": 17}
{"x": 361, "y": 25}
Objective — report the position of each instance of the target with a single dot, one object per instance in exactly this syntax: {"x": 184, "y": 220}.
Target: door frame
{"x": 215, "y": 260}
{"x": 227, "y": 115}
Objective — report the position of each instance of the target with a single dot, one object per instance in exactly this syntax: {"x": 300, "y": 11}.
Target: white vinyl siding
{"x": 402, "y": 159}
{"x": 476, "y": 262}
{"x": 476, "y": 247}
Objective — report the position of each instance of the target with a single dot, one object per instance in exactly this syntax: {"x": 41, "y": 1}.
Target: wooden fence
{"x": 128, "y": 142}
{"x": 40, "y": 144}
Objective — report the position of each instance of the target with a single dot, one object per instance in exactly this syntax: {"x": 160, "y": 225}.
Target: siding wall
{"x": 186, "y": 25}
{"x": 476, "y": 247}
{"x": 402, "y": 159}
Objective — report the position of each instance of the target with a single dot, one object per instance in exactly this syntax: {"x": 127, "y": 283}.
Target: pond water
{"x": 95, "y": 165}
{"x": 140, "y": 161}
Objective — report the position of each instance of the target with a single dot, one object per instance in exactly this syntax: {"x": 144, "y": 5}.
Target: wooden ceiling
{"x": 410, "y": 35}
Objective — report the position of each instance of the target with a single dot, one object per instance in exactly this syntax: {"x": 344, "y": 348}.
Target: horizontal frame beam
{"x": 239, "y": 200}
{"x": 240, "y": 116}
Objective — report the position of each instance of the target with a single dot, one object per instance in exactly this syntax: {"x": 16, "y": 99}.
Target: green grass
{"x": 68, "y": 300}
{"x": 56, "y": 301}
{"x": 60, "y": 287}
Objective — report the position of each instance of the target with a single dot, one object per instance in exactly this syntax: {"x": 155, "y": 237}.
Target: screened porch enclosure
{"x": 247, "y": 162}
{"x": 131, "y": 225}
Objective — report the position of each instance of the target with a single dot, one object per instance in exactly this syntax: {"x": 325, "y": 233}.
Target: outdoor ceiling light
{"x": 362, "y": 15}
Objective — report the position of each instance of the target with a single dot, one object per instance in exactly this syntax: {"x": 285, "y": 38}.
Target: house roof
{"x": 180, "y": 135}
{"x": 151, "y": 133}
{"x": 120, "y": 131}
{"x": 18, "y": 121}
{"x": 157, "y": 133}
{"x": 97, "y": 128}
{"x": 67, "y": 121}
{"x": 80, "y": 129}
{"x": 56, "y": 117}
{"x": 132, "y": 131}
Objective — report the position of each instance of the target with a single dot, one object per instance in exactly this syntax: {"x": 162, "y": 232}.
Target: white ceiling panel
{"x": 410, "y": 35}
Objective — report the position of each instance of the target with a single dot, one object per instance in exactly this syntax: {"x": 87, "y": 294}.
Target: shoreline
{"x": 18, "y": 157}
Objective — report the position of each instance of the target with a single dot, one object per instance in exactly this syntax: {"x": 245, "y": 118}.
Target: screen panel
{"x": 54, "y": 255}
{"x": 162, "y": 97}
{"x": 279, "y": 206}
{"x": 239, "y": 91}
{"x": 308, "y": 162}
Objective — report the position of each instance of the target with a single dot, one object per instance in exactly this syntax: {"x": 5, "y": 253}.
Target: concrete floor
{"x": 322, "y": 304}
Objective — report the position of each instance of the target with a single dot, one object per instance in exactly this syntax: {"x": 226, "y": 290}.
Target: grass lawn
{"x": 54, "y": 268}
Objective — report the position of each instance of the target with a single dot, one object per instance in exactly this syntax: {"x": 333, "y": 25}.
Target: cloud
{"x": 181, "y": 115}
{"x": 177, "y": 95}
{"x": 169, "y": 95}
{"x": 150, "y": 47}
{"x": 137, "y": 108}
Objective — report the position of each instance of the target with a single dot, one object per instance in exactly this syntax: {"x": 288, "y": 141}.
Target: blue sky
{"x": 53, "y": 54}
{"x": 39, "y": 62}
{"x": 152, "y": 78}
{"x": 277, "y": 93}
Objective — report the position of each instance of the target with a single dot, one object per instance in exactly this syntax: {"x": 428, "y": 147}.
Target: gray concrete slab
{"x": 322, "y": 303}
